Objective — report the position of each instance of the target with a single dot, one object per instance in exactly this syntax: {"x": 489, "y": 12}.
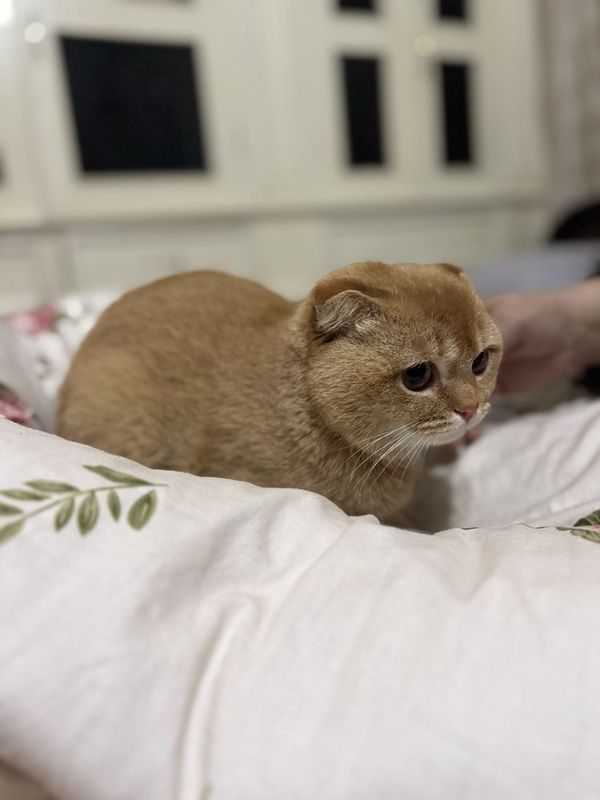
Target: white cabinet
{"x": 402, "y": 48}
{"x": 209, "y": 35}
{"x": 321, "y": 135}
{"x": 284, "y": 88}
{"x": 21, "y": 201}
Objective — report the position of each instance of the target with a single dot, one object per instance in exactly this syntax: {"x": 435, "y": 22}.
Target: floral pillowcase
{"x": 15, "y": 409}
{"x": 39, "y": 345}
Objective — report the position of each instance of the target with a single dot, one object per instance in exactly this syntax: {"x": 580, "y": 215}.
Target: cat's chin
{"x": 454, "y": 434}
{"x": 447, "y": 437}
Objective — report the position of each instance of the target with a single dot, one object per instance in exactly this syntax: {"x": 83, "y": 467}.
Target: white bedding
{"x": 251, "y": 644}
{"x": 534, "y": 468}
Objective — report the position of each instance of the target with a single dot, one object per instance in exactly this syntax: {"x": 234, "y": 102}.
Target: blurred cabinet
{"x": 405, "y": 100}
{"x": 21, "y": 202}
{"x": 140, "y": 108}
{"x": 272, "y": 138}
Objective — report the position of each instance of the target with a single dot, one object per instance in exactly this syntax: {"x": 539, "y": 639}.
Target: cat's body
{"x": 215, "y": 375}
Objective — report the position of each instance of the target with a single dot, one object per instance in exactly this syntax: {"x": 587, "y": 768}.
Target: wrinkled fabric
{"x": 534, "y": 468}
{"x": 253, "y": 644}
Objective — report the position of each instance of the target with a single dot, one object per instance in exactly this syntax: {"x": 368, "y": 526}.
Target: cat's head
{"x": 404, "y": 347}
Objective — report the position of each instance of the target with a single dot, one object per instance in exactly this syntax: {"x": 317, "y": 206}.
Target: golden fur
{"x": 215, "y": 375}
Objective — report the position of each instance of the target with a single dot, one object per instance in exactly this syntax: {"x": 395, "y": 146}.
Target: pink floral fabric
{"x": 28, "y": 324}
{"x": 36, "y": 348}
{"x": 14, "y": 409}
{"x": 32, "y": 323}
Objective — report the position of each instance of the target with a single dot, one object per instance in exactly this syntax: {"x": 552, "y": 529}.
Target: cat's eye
{"x": 417, "y": 377}
{"x": 480, "y": 363}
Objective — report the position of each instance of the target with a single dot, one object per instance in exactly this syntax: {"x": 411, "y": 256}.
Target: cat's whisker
{"x": 403, "y": 433}
{"x": 405, "y": 452}
{"x": 409, "y": 455}
{"x": 422, "y": 446}
{"x": 371, "y": 441}
{"x": 406, "y": 430}
{"x": 360, "y": 448}
{"x": 364, "y": 444}
{"x": 387, "y": 449}
{"x": 379, "y": 436}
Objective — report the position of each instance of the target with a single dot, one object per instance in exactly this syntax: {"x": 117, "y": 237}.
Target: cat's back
{"x": 188, "y": 306}
{"x": 166, "y": 352}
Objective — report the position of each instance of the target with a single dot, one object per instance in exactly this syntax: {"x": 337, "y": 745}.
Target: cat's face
{"x": 401, "y": 351}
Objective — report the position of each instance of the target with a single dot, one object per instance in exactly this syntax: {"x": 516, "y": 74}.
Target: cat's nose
{"x": 467, "y": 412}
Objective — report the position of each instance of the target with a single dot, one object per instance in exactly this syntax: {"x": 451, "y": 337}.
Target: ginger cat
{"x": 339, "y": 394}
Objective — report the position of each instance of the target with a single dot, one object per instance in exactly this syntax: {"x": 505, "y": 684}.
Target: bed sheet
{"x": 174, "y": 638}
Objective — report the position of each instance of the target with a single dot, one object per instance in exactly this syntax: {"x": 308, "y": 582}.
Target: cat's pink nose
{"x": 467, "y": 412}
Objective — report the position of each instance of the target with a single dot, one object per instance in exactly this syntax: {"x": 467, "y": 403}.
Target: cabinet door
{"x": 142, "y": 107}
{"x": 391, "y": 100}
{"x": 478, "y": 90}
{"x": 271, "y": 104}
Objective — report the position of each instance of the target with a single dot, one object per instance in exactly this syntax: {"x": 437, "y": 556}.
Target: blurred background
{"x": 278, "y": 139}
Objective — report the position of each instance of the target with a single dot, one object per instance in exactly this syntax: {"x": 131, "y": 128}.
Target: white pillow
{"x": 251, "y": 644}
{"x": 534, "y": 468}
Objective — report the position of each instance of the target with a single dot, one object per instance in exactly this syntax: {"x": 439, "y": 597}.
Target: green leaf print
{"x": 51, "y": 487}
{"x": 62, "y": 498}
{"x": 64, "y": 513}
{"x": 114, "y": 505}
{"x": 118, "y": 477}
{"x": 88, "y": 513}
{"x": 8, "y": 531}
{"x": 592, "y": 520}
{"x": 142, "y": 510}
{"x": 586, "y": 528}
{"x": 590, "y": 535}
{"x": 7, "y": 510}
{"x": 23, "y": 494}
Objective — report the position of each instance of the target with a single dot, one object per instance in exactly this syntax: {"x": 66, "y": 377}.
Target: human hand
{"x": 542, "y": 336}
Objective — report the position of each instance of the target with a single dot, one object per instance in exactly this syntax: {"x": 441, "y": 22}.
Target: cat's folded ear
{"x": 346, "y": 312}
{"x": 454, "y": 269}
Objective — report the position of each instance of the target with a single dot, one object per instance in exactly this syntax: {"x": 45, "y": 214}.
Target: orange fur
{"x": 215, "y": 375}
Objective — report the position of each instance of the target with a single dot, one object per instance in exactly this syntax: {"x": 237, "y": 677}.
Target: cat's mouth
{"x": 446, "y": 436}
{"x": 446, "y": 432}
